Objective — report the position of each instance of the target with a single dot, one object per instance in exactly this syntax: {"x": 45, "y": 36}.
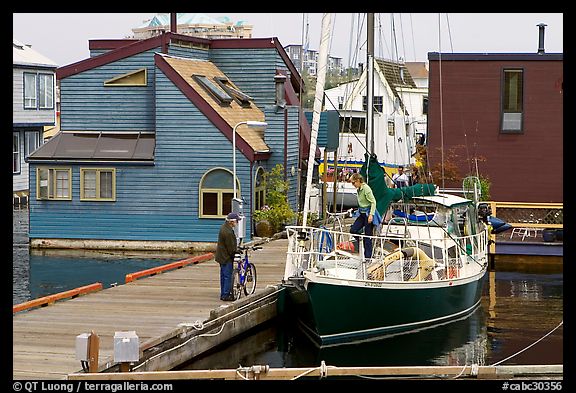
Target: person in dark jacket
{"x": 225, "y": 249}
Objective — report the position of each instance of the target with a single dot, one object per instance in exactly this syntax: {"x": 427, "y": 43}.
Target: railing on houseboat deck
{"x": 529, "y": 215}
{"x": 394, "y": 258}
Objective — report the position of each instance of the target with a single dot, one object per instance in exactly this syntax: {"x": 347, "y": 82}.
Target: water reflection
{"x": 517, "y": 310}
{"x": 522, "y": 302}
{"x": 42, "y": 272}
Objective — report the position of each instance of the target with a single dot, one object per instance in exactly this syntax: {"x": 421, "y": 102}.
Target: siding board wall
{"x": 86, "y": 104}
{"x": 526, "y": 167}
{"x": 160, "y": 202}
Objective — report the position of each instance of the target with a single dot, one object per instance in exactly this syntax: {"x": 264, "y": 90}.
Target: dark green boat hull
{"x": 336, "y": 313}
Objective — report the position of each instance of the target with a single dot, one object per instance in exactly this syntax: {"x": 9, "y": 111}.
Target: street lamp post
{"x": 237, "y": 202}
{"x": 249, "y": 123}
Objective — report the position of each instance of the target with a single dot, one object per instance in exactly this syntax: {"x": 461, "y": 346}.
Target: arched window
{"x": 216, "y": 193}
{"x": 259, "y": 189}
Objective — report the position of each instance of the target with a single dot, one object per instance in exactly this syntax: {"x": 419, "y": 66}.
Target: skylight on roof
{"x": 217, "y": 92}
{"x": 241, "y": 98}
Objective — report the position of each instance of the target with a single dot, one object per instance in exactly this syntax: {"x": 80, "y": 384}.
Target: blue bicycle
{"x": 244, "y": 275}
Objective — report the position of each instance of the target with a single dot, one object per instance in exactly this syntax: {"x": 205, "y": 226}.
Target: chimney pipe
{"x": 173, "y": 23}
{"x": 541, "y": 27}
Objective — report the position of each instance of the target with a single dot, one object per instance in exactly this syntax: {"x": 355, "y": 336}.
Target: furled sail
{"x": 385, "y": 195}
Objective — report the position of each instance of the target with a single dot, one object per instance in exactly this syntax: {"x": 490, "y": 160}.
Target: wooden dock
{"x": 155, "y": 307}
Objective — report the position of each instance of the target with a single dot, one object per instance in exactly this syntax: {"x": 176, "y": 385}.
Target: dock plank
{"x": 44, "y": 338}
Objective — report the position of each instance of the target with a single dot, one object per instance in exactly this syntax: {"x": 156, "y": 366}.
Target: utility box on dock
{"x": 126, "y": 347}
{"x": 82, "y": 347}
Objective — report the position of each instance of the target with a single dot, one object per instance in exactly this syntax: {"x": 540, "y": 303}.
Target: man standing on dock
{"x": 225, "y": 250}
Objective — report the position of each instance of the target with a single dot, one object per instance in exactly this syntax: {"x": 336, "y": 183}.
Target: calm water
{"x": 518, "y": 308}
{"x": 38, "y": 273}
{"x": 522, "y": 302}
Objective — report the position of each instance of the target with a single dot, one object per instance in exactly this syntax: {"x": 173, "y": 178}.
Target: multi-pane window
{"x": 216, "y": 193}
{"x": 356, "y": 125}
{"x": 46, "y": 91}
{"x": 377, "y": 103}
{"x": 98, "y": 184}
{"x": 29, "y": 91}
{"x": 512, "y": 100}
{"x": 38, "y": 91}
{"x": 15, "y": 152}
{"x": 32, "y": 142}
{"x": 54, "y": 183}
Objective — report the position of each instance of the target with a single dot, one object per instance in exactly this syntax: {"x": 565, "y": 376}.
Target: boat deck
{"x": 44, "y": 338}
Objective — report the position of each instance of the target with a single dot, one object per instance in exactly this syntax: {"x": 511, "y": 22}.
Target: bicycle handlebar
{"x": 253, "y": 248}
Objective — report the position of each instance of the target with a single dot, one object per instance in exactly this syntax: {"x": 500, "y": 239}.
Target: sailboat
{"x": 428, "y": 262}
{"x": 398, "y": 123}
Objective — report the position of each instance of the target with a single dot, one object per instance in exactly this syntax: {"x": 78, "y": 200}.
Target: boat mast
{"x": 370, "y": 84}
{"x": 321, "y": 77}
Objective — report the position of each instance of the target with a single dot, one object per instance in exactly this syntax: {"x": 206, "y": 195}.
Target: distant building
{"x": 507, "y": 110}
{"x": 309, "y": 58}
{"x": 399, "y": 120}
{"x": 33, "y": 108}
{"x": 196, "y": 25}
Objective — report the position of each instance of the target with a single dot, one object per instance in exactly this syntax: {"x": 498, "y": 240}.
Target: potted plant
{"x": 277, "y": 213}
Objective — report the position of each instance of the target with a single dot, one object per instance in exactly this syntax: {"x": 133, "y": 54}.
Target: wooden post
{"x": 93, "y": 350}
{"x": 124, "y": 367}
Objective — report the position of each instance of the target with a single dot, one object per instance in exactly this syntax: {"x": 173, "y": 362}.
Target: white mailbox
{"x": 82, "y": 347}
{"x": 126, "y": 347}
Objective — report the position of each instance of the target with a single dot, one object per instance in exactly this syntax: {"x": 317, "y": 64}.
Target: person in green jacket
{"x": 225, "y": 250}
{"x": 366, "y": 210}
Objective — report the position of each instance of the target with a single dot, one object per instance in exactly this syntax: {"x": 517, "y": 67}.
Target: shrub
{"x": 277, "y": 211}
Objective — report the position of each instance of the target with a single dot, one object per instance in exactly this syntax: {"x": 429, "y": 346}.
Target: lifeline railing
{"x": 393, "y": 259}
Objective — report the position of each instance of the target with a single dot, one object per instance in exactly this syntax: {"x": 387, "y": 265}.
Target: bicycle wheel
{"x": 250, "y": 280}
{"x": 236, "y": 286}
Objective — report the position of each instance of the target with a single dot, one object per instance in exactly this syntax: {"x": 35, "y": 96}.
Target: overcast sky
{"x": 63, "y": 37}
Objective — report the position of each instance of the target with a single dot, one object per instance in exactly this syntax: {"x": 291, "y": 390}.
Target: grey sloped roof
{"x": 23, "y": 55}
{"x": 97, "y": 146}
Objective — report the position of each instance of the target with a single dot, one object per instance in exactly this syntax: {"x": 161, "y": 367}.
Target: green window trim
{"x": 98, "y": 184}
{"x": 54, "y": 183}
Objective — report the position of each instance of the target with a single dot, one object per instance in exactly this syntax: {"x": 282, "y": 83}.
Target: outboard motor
{"x": 485, "y": 215}
{"x": 484, "y": 211}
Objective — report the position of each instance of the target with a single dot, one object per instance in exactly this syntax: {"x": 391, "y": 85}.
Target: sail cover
{"x": 385, "y": 195}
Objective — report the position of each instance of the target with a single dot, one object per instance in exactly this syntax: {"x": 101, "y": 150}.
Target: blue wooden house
{"x": 144, "y": 158}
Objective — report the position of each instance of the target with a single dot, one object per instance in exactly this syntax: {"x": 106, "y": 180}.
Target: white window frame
{"x": 30, "y": 100}
{"x": 35, "y": 142}
{"x": 15, "y": 152}
{"x": 46, "y": 91}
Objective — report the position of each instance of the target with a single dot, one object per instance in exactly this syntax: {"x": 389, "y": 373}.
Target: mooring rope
{"x": 531, "y": 345}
